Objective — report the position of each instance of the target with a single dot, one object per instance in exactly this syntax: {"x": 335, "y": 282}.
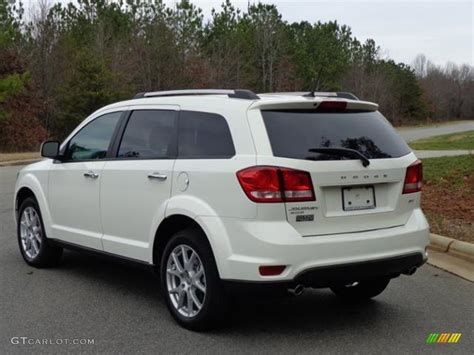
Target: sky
{"x": 441, "y": 29}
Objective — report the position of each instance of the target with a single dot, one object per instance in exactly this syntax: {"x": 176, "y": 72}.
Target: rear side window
{"x": 150, "y": 134}
{"x": 293, "y": 133}
{"x": 204, "y": 135}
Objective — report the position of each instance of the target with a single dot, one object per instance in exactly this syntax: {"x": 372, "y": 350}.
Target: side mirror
{"x": 50, "y": 149}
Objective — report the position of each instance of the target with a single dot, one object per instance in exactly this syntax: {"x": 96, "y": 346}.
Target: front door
{"x": 74, "y": 184}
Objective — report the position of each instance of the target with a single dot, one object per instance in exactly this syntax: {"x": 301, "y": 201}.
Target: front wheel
{"x": 190, "y": 281}
{"x": 359, "y": 291}
{"x": 34, "y": 246}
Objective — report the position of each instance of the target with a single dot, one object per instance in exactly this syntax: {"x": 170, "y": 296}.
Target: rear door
{"x": 136, "y": 184}
{"x": 350, "y": 197}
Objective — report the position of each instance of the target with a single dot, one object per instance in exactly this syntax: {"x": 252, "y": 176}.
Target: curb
{"x": 454, "y": 256}
{"x": 452, "y": 246}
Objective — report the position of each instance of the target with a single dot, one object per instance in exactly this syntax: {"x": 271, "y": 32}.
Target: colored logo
{"x": 443, "y": 338}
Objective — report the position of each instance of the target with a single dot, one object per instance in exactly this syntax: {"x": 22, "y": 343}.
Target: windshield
{"x": 294, "y": 133}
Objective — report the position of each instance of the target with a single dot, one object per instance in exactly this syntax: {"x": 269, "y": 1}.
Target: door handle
{"x": 157, "y": 176}
{"x": 91, "y": 174}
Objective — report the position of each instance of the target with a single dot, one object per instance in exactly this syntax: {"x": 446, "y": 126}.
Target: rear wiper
{"x": 343, "y": 152}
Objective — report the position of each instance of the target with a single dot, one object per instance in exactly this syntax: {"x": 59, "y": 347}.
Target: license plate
{"x": 358, "y": 198}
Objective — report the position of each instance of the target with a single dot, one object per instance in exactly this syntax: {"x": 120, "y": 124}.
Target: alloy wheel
{"x": 186, "y": 280}
{"x": 31, "y": 232}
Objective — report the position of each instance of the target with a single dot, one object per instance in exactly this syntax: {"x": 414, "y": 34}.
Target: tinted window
{"x": 149, "y": 134}
{"x": 204, "y": 135}
{"x": 293, "y": 133}
{"x": 93, "y": 140}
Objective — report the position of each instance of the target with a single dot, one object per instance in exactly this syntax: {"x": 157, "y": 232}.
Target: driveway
{"x": 412, "y": 134}
{"x": 119, "y": 307}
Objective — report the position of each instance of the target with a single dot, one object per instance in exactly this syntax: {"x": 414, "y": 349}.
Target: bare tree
{"x": 420, "y": 65}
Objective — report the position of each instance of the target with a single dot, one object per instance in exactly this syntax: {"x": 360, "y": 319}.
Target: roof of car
{"x": 245, "y": 99}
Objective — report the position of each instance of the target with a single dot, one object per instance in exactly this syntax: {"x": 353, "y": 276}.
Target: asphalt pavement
{"x": 441, "y": 153}
{"x": 118, "y": 307}
{"x": 413, "y": 133}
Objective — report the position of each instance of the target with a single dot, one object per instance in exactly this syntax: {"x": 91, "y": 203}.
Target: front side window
{"x": 92, "y": 141}
{"x": 150, "y": 134}
{"x": 204, "y": 135}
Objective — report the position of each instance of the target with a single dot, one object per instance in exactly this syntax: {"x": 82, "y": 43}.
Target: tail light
{"x": 413, "y": 178}
{"x": 275, "y": 184}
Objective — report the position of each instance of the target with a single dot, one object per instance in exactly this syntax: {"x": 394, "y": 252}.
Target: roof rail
{"x": 236, "y": 94}
{"x": 341, "y": 94}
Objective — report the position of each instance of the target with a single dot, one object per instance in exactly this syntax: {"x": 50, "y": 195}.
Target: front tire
{"x": 34, "y": 246}
{"x": 190, "y": 282}
{"x": 360, "y": 291}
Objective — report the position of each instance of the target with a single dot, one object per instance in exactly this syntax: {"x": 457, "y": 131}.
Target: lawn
{"x": 462, "y": 140}
{"x": 18, "y": 156}
{"x": 448, "y": 196}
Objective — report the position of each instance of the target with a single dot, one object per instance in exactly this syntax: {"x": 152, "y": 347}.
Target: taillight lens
{"x": 275, "y": 184}
{"x": 413, "y": 178}
{"x": 297, "y": 185}
{"x": 336, "y": 106}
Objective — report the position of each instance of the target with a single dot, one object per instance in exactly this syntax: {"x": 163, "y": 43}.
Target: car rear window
{"x": 293, "y": 133}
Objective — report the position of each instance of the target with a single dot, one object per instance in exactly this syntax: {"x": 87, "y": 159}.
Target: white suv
{"x": 224, "y": 190}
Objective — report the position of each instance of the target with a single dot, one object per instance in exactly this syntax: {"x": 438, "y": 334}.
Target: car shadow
{"x": 317, "y": 310}
{"x": 314, "y": 311}
{"x": 111, "y": 273}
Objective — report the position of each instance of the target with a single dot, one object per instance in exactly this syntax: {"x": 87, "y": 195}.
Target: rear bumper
{"x": 251, "y": 244}
{"x": 342, "y": 274}
{"x": 365, "y": 270}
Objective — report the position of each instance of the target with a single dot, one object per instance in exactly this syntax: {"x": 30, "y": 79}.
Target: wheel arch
{"x": 167, "y": 228}
{"x": 22, "y": 194}
{"x": 30, "y": 186}
{"x": 178, "y": 222}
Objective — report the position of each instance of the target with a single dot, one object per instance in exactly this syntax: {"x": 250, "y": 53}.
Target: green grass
{"x": 462, "y": 140}
{"x": 18, "y": 156}
{"x": 452, "y": 170}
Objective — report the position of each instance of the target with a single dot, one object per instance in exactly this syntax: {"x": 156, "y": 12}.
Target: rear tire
{"x": 190, "y": 282}
{"x": 34, "y": 246}
{"x": 361, "y": 291}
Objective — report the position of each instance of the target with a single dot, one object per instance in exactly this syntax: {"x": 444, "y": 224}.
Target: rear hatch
{"x": 357, "y": 164}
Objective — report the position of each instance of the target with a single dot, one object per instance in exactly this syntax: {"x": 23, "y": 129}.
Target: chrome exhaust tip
{"x": 297, "y": 291}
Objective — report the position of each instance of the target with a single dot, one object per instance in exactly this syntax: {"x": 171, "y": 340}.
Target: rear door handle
{"x": 157, "y": 176}
{"x": 91, "y": 174}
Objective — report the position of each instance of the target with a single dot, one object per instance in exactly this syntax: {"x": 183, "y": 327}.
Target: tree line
{"x": 66, "y": 60}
